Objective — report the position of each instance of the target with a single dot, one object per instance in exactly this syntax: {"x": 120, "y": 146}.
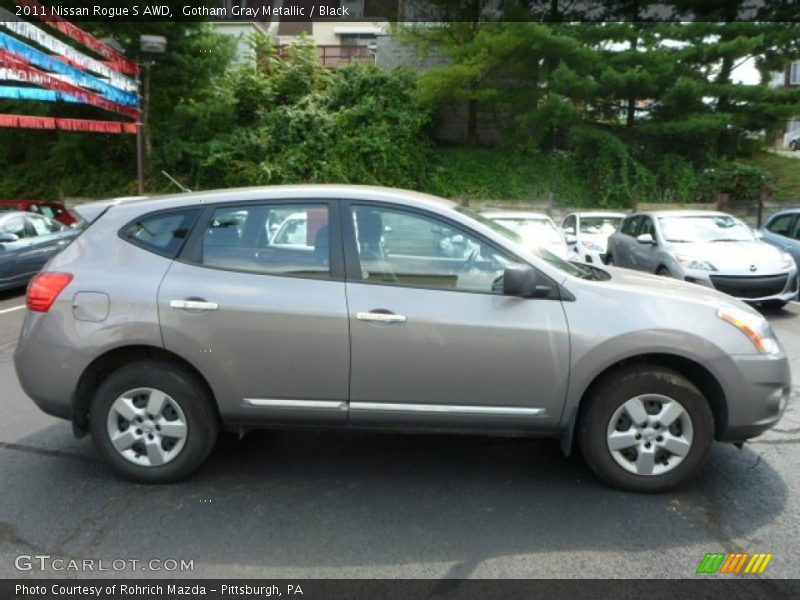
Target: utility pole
{"x": 150, "y": 46}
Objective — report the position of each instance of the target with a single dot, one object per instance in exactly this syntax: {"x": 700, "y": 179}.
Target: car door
{"x": 47, "y": 238}
{"x": 13, "y": 253}
{"x": 625, "y": 241}
{"x": 265, "y": 323}
{"x": 434, "y": 343}
{"x": 782, "y": 231}
{"x": 644, "y": 257}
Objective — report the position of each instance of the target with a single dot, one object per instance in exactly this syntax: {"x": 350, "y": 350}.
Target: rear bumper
{"x": 757, "y": 391}
{"x": 48, "y": 372}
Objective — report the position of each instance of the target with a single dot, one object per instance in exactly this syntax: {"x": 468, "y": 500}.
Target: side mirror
{"x": 519, "y": 281}
{"x": 758, "y": 234}
{"x": 646, "y": 238}
{"x": 569, "y": 230}
{"x": 7, "y": 237}
{"x": 571, "y": 239}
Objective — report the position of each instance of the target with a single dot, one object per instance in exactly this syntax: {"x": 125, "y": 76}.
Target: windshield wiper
{"x": 727, "y": 240}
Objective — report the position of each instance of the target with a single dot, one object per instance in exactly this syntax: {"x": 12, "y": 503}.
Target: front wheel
{"x": 794, "y": 146}
{"x": 153, "y": 422}
{"x": 646, "y": 429}
{"x": 610, "y": 260}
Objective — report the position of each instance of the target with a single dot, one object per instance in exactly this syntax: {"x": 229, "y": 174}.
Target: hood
{"x": 736, "y": 258}
{"x": 560, "y": 249}
{"x": 640, "y": 283}
{"x": 601, "y": 239}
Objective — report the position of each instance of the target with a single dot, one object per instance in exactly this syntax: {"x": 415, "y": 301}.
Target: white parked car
{"x": 793, "y": 140}
{"x": 536, "y": 229}
{"x": 591, "y": 231}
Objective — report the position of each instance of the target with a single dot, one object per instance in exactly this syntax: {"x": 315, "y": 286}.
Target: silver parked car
{"x": 27, "y": 242}
{"x": 709, "y": 248}
{"x": 169, "y": 319}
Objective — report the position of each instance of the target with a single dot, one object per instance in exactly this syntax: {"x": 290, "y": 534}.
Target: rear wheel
{"x": 663, "y": 272}
{"x": 153, "y": 422}
{"x": 646, "y": 429}
{"x": 794, "y": 145}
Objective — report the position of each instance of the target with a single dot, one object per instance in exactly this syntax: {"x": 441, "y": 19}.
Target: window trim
{"x": 638, "y": 224}
{"x": 192, "y": 251}
{"x": 170, "y": 255}
{"x": 353, "y": 272}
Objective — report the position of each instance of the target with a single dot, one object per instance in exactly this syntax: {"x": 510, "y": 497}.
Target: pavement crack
{"x": 43, "y": 451}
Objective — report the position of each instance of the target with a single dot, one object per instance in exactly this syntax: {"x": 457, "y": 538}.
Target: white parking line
{"x": 12, "y": 309}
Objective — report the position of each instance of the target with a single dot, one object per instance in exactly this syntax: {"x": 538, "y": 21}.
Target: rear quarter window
{"x": 163, "y": 233}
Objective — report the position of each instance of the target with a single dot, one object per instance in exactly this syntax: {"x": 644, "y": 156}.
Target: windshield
{"x": 705, "y": 228}
{"x": 574, "y": 269}
{"x": 600, "y": 225}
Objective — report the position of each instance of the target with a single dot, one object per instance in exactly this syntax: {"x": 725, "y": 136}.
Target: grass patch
{"x": 785, "y": 172}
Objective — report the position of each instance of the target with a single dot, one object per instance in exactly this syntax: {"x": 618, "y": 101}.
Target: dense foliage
{"x": 590, "y": 114}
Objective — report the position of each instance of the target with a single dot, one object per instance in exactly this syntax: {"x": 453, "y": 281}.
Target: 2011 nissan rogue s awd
{"x": 171, "y": 318}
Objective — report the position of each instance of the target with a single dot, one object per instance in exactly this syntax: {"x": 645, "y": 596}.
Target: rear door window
{"x": 163, "y": 232}
{"x": 272, "y": 239}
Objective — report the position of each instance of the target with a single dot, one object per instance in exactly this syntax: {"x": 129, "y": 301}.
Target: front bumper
{"x": 749, "y": 288}
{"x": 757, "y": 390}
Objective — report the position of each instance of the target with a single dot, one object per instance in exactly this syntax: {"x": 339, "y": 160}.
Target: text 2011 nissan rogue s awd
{"x": 171, "y": 318}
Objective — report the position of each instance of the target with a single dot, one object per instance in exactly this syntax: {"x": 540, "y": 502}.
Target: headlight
{"x": 787, "y": 262}
{"x": 592, "y": 246}
{"x": 753, "y": 326}
{"x": 693, "y": 263}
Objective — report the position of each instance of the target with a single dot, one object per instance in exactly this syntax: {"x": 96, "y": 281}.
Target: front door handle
{"x": 193, "y": 305}
{"x": 381, "y": 317}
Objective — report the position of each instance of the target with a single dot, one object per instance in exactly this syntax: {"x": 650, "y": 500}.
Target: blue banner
{"x": 77, "y": 77}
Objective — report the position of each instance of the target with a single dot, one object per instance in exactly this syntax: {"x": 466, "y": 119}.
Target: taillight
{"x": 44, "y": 289}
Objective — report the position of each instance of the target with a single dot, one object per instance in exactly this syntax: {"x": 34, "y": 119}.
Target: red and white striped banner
{"x": 14, "y": 69}
{"x": 66, "y": 124}
{"x": 121, "y": 62}
{"x": 75, "y": 57}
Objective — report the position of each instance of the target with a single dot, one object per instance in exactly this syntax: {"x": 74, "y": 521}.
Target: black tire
{"x": 194, "y": 400}
{"x": 774, "y": 304}
{"x": 610, "y": 260}
{"x": 794, "y": 146}
{"x": 663, "y": 272}
{"x": 619, "y": 387}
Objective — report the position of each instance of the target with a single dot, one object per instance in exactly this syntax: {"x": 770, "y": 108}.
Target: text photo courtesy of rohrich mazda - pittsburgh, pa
{"x": 351, "y": 299}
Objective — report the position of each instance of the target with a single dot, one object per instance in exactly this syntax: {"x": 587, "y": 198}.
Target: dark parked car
{"x": 27, "y": 242}
{"x": 52, "y": 210}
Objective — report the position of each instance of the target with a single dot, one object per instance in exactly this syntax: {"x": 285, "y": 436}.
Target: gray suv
{"x": 172, "y": 318}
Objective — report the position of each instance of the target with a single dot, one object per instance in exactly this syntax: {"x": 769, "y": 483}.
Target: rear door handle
{"x": 193, "y": 305}
{"x": 381, "y": 317}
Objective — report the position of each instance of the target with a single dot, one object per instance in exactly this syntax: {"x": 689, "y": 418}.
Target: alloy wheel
{"x": 147, "y": 427}
{"x": 650, "y": 435}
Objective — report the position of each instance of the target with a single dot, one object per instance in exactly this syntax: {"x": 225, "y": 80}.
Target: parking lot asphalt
{"x": 337, "y": 504}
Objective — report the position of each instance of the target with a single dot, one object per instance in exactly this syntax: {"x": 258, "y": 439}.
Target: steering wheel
{"x": 471, "y": 260}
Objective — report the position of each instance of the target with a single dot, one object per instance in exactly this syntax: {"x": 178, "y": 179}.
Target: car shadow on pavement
{"x": 316, "y": 500}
